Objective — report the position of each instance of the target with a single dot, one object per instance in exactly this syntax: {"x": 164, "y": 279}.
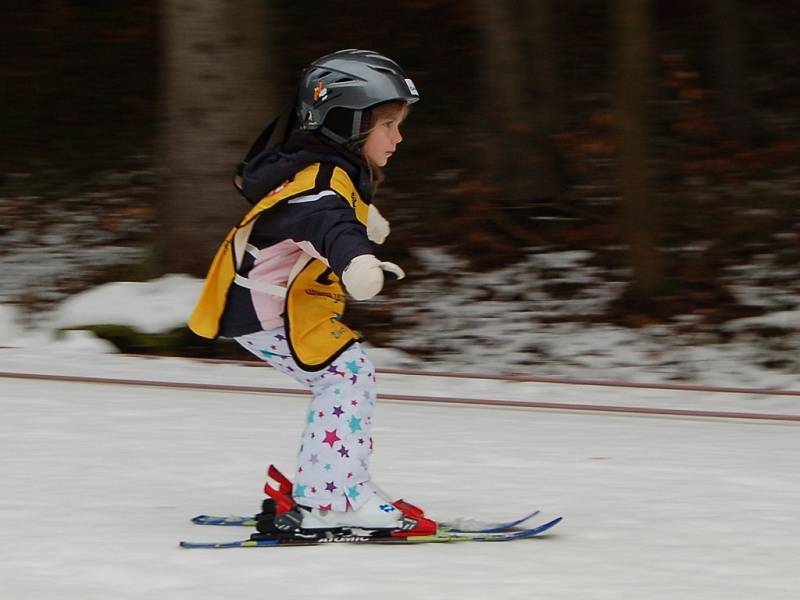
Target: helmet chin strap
{"x": 356, "y": 123}
{"x": 331, "y": 135}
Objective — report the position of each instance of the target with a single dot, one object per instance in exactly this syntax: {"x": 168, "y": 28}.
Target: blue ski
{"x": 365, "y": 537}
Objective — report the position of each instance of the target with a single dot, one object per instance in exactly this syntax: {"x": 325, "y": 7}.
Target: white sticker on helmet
{"x": 411, "y": 87}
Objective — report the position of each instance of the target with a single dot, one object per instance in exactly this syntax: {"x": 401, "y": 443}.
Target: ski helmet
{"x": 349, "y": 82}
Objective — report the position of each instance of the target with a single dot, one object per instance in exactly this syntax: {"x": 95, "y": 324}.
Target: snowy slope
{"x": 99, "y": 481}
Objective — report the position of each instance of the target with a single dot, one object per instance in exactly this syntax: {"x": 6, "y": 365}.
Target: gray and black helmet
{"x": 343, "y": 85}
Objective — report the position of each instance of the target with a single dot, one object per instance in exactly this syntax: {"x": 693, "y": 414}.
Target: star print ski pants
{"x": 333, "y": 461}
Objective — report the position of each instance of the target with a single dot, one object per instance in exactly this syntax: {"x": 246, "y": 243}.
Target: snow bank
{"x": 506, "y": 321}
{"x": 153, "y": 306}
{"x": 10, "y": 330}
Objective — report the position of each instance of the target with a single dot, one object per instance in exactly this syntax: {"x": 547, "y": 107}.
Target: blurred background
{"x": 573, "y": 168}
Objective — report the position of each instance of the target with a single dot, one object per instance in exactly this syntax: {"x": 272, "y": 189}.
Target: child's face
{"x": 382, "y": 140}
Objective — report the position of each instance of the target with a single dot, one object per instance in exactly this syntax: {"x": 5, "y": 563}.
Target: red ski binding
{"x": 283, "y": 495}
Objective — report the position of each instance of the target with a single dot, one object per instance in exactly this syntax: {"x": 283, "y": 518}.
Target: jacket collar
{"x": 267, "y": 170}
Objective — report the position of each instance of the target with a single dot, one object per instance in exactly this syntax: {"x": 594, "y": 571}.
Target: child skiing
{"x": 277, "y": 284}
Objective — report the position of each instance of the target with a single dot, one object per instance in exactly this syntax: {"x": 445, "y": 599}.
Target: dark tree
{"x": 215, "y": 99}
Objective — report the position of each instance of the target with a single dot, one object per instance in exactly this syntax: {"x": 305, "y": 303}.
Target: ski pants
{"x": 333, "y": 461}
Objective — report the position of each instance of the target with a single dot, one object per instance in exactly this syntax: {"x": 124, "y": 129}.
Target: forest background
{"x": 657, "y": 139}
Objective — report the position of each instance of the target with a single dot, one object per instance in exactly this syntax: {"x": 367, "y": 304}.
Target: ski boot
{"x": 281, "y": 516}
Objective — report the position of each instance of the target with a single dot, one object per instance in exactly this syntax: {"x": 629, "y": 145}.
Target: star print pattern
{"x": 333, "y": 461}
{"x": 331, "y": 438}
{"x": 354, "y": 367}
{"x": 355, "y": 424}
{"x": 353, "y": 493}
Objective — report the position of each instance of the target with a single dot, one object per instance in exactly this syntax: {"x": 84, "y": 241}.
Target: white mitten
{"x": 363, "y": 277}
{"x": 377, "y": 227}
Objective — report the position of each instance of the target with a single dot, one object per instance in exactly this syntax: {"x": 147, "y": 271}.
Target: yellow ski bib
{"x": 315, "y": 299}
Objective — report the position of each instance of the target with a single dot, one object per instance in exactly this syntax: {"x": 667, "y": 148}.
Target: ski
{"x": 280, "y": 498}
{"x": 356, "y": 536}
{"x": 459, "y": 525}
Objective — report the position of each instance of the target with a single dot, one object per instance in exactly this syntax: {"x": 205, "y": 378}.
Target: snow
{"x": 9, "y": 327}
{"x": 149, "y": 307}
{"x": 513, "y": 320}
{"x": 99, "y": 483}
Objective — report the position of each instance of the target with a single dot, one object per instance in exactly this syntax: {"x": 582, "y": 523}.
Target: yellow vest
{"x": 315, "y": 298}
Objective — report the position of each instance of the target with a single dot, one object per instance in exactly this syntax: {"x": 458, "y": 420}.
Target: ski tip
{"x": 537, "y": 531}
{"x": 549, "y": 525}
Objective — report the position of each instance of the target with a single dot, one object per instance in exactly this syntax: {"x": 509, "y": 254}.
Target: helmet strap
{"x": 356, "y": 123}
{"x": 332, "y": 135}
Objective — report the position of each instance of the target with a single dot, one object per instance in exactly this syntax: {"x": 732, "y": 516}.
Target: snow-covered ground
{"x": 99, "y": 483}
{"x": 502, "y": 322}
{"x": 508, "y": 321}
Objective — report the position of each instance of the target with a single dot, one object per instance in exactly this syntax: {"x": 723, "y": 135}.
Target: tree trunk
{"x": 632, "y": 86}
{"x": 543, "y": 87}
{"x": 215, "y": 100}
{"x": 519, "y": 81}
{"x": 730, "y": 71}
{"x": 516, "y": 118}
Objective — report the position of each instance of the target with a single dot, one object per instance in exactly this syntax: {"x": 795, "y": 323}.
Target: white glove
{"x": 363, "y": 277}
{"x": 377, "y": 227}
